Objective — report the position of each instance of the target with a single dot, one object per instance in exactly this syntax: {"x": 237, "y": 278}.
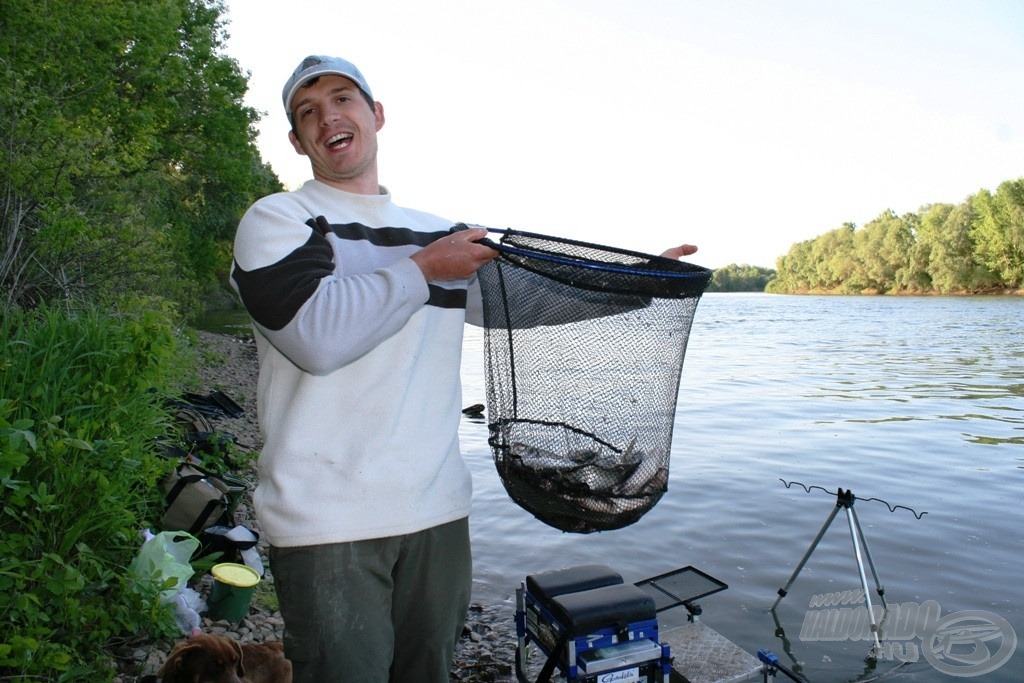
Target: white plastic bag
{"x": 187, "y": 606}
{"x": 162, "y": 565}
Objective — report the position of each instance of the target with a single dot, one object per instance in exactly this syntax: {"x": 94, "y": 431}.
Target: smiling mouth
{"x": 340, "y": 140}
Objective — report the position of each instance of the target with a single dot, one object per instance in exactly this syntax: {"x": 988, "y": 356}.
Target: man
{"x": 358, "y": 308}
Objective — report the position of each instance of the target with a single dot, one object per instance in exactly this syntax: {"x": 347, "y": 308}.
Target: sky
{"x": 741, "y": 126}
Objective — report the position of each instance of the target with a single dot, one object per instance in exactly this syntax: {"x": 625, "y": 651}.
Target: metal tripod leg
{"x": 854, "y": 535}
{"x": 845, "y": 500}
{"x": 814, "y": 544}
{"x": 874, "y": 573}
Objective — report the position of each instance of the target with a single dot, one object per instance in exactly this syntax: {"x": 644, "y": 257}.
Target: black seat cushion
{"x": 547, "y": 585}
{"x": 584, "y": 612}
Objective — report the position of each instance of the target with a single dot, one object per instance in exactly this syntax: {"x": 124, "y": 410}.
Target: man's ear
{"x": 378, "y": 114}
{"x": 294, "y": 139}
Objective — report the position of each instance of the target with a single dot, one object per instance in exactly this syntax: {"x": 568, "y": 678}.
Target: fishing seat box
{"x": 589, "y": 623}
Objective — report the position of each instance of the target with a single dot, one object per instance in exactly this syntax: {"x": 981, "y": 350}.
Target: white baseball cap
{"x": 315, "y": 66}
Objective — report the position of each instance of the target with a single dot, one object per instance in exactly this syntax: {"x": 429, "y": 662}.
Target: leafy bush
{"x": 81, "y": 410}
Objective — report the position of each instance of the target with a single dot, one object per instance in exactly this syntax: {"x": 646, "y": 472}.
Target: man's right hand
{"x": 455, "y": 256}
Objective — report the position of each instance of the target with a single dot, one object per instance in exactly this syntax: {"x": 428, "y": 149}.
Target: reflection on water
{"x": 914, "y": 401}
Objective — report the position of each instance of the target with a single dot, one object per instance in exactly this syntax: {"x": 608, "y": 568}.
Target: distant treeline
{"x": 973, "y": 247}
{"x": 737, "y": 278}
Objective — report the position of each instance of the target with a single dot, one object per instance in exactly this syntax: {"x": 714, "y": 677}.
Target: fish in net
{"x": 583, "y": 351}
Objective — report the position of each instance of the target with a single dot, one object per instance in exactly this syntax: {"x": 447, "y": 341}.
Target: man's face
{"x": 336, "y": 128}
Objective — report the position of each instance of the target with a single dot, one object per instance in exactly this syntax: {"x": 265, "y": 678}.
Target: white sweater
{"x": 359, "y": 395}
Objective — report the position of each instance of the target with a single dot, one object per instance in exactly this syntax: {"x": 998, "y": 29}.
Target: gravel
{"x": 484, "y": 654}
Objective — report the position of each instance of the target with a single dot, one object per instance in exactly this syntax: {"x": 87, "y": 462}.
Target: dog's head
{"x": 204, "y": 659}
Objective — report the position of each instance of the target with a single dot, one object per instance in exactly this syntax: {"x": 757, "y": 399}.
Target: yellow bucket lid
{"x": 234, "y": 574}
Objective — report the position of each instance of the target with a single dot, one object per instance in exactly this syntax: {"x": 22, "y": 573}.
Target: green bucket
{"x": 233, "y": 586}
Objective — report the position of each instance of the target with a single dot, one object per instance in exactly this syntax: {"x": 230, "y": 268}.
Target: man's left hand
{"x": 680, "y": 251}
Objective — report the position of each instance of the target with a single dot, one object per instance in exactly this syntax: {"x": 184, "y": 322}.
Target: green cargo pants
{"x": 388, "y": 609}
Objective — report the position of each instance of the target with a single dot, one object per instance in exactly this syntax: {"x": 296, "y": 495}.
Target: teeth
{"x": 340, "y": 137}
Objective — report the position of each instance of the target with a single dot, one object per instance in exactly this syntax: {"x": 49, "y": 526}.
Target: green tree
{"x": 929, "y": 247}
{"x": 795, "y": 270}
{"x": 126, "y": 155}
{"x": 883, "y": 247}
{"x": 998, "y": 231}
{"x": 945, "y": 234}
{"x": 834, "y": 257}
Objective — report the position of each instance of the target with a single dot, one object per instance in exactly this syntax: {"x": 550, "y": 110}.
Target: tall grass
{"x": 81, "y": 410}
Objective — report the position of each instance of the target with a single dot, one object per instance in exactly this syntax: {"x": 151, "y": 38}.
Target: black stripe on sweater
{"x": 379, "y": 237}
{"x": 274, "y": 294}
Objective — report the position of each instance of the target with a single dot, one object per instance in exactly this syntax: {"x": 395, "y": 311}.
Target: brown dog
{"x": 218, "y": 659}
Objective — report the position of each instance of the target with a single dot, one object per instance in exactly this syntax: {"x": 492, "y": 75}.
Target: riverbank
{"x": 485, "y": 653}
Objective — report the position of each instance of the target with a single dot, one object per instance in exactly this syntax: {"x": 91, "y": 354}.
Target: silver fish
{"x": 581, "y": 471}
{"x": 621, "y": 504}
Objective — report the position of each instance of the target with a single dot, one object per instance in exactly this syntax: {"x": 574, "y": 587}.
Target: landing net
{"x": 583, "y": 348}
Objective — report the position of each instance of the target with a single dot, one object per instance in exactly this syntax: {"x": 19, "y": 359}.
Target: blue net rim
{"x": 666, "y": 267}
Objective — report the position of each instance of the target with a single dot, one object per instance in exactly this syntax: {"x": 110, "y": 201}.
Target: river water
{"x": 917, "y": 402}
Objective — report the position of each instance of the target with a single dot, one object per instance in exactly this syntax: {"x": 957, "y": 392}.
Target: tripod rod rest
{"x": 845, "y": 499}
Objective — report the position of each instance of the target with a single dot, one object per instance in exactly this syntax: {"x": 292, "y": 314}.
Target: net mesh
{"x": 583, "y": 351}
